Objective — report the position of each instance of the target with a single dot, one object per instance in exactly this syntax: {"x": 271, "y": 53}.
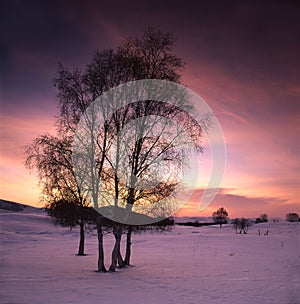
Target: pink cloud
{"x": 261, "y": 128}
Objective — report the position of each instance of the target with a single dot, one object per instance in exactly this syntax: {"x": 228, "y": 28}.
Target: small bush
{"x": 263, "y": 218}
{"x": 292, "y": 217}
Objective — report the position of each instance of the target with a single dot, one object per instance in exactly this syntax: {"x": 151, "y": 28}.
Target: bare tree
{"x": 76, "y": 91}
{"x": 235, "y": 224}
{"x": 149, "y": 56}
{"x": 242, "y": 225}
{"x": 51, "y": 156}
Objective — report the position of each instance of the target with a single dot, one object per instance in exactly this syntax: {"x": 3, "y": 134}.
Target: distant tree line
{"x": 196, "y": 224}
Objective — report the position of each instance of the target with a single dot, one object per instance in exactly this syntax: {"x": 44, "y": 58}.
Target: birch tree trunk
{"x": 116, "y": 250}
{"x": 128, "y": 246}
{"x": 82, "y": 237}
{"x": 121, "y": 262}
{"x": 101, "y": 266}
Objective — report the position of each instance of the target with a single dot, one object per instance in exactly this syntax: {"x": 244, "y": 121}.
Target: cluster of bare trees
{"x": 122, "y": 173}
{"x": 241, "y": 225}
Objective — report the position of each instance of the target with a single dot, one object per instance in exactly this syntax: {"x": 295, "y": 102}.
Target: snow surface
{"x": 188, "y": 265}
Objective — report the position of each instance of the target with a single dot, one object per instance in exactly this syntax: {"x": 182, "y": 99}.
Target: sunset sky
{"x": 242, "y": 58}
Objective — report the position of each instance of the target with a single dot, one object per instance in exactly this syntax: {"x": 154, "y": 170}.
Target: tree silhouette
{"x": 242, "y": 225}
{"x": 292, "y": 217}
{"x": 235, "y": 224}
{"x": 149, "y": 56}
{"x": 263, "y": 218}
{"x": 220, "y": 216}
{"x": 51, "y": 156}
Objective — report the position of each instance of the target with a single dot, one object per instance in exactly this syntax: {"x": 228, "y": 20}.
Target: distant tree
{"x": 292, "y": 217}
{"x": 235, "y": 224}
{"x": 244, "y": 226}
{"x": 220, "y": 216}
{"x": 241, "y": 226}
{"x": 263, "y": 218}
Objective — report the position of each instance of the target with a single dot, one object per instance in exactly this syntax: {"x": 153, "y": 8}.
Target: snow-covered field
{"x": 188, "y": 265}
